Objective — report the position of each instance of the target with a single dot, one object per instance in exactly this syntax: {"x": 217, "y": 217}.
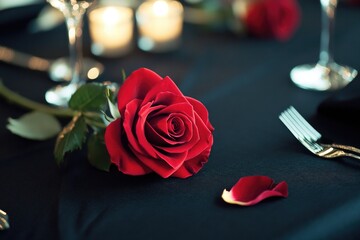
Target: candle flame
{"x": 161, "y": 8}
{"x": 110, "y": 15}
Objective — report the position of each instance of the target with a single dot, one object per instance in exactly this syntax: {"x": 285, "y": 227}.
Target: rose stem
{"x": 32, "y": 105}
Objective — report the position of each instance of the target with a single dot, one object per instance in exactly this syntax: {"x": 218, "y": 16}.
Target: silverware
{"x": 310, "y": 138}
{"x": 58, "y": 70}
{"x": 4, "y": 220}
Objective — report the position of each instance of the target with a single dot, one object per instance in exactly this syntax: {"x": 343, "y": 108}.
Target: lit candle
{"x": 160, "y": 25}
{"x": 111, "y": 30}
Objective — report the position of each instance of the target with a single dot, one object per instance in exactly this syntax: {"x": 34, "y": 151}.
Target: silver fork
{"x": 309, "y": 137}
{"x": 4, "y": 220}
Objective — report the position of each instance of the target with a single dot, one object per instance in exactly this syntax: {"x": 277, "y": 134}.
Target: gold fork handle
{"x": 352, "y": 155}
{"x": 4, "y": 220}
{"x": 343, "y": 147}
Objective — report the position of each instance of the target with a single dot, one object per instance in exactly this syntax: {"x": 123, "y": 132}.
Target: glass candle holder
{"x": 111, "y": 30}
{"x": 160, "y": 25}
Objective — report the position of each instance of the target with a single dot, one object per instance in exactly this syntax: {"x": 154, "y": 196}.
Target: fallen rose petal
{"x": 251, "y": 190}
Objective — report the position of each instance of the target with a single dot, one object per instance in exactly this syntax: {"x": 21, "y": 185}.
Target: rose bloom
{"x": 272, "y": 18}
{"x": 160, "y": 130}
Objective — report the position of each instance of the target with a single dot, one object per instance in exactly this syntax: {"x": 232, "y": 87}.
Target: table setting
{"x": 191, "y": 119}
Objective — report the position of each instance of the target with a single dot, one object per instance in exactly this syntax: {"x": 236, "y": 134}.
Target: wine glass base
{"x": 60, "y": 69}
{"x": 322, "y": 78}
{"x": 60, "y": 94}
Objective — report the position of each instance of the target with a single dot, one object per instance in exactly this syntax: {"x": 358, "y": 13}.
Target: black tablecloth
{"x": 244, "y": 83}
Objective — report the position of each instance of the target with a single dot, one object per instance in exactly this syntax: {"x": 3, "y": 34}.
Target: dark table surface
{"x": 244, "y": 83}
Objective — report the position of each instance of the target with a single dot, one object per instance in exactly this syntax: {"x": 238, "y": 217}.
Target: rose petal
{"x": 139, "y": 129}
{"x": 285, "y": 18}
{"x": 273, "y": 18}
{"x": 129, "y": 121}
{"x": 168, "y": 98}
{"x": 137, "y": 85}
{"x": 174, "y": 160}
{"x": 119, "y": 155}
{"x": 176, "y": 127}
{"x": 203, "y": 139}
{"x": 201, "y": 110}
{"x": 157, "y": 139}
{"x": 166, "y": 85}
{"x": 163, "y": 127}
{"x": 193, "y": 165}
{"x": 253, "y": 189}
{"x": 160, "y": 122}
{"x": 256, "y": 20}
{"x": 182, "y": 107}
{"x": 160, "y": 166}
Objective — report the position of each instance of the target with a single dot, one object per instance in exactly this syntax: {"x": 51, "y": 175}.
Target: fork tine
{"x": 306, "y": 126}
{"x": 306, "y": 133}
{"x": 289, "y": 123}
{"x": 293, "y": 127}
{"x": 298, "y": 131}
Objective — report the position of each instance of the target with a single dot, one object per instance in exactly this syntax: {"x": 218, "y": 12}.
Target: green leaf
{"x": 111, "y": 91}
{"x": 89, "y": 97}
{"x": 97, "y": 122}
{"x": 107, "y": 118}
{"x": 97, "y": 154}
{"x": 35, "y": 125}
{"x": 70, "y": 138}
{"x": 112, "y": 107}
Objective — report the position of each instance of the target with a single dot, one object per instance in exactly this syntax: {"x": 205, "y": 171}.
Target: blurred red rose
{"x": 272, "y": 18}
{"x": 160, "y": 130}
{"x": 354, "y": 2}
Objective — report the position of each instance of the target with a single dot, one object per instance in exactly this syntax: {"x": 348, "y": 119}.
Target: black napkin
{"x": 344, "y": 104}
{"x": 17, "y": 18}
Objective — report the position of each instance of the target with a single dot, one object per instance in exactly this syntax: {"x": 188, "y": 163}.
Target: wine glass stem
{"x": 326, "y": 41}
{"x": 74, "y": 26}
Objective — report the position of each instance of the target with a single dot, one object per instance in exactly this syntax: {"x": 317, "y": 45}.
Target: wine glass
{"x": 326, "y": 74}
{"x": 73, "y": 11}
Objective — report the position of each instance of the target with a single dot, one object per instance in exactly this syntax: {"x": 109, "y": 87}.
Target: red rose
{"x": 273, "y": 18}
{"x": 160, "y": 129}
